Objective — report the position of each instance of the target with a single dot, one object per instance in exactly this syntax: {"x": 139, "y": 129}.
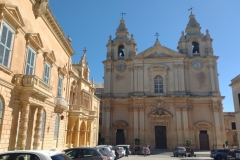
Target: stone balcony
{"x": 80, "y": 110}
{"x": 61, "y": 104}
{"x": 33, "y": 84}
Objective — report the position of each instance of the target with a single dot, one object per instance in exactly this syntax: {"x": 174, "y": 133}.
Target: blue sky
{"x": 90, "y": 22}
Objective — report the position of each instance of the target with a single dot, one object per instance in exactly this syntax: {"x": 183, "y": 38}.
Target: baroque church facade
{"x": 160, "y": 96}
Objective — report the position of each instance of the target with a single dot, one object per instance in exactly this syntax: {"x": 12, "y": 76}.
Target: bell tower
{"x": 194, "y": 43}
{"x": 122, "y": 47}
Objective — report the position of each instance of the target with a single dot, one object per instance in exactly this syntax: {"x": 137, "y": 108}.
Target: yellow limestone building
{"x": 44, "y": 100}
{"x": 161, "y": 96}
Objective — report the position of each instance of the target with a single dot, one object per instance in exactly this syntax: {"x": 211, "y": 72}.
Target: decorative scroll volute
{"x": 40, "y": 7}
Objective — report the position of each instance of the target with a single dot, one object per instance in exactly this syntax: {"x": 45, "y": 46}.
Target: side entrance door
{"x": 204, "y": 140}
{"x": 160, "y": 137}
{"x": 120, "y": 139}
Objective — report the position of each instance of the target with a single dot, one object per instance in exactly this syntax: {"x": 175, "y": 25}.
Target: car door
{"x": 85, "y": 154}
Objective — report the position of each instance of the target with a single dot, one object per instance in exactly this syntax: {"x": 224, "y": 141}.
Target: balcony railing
{"x": 82, "y": 109}
{"x": 33, "y": 83}
{"x": 59, "y": 101}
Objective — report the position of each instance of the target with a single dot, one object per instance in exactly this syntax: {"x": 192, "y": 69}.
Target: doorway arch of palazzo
{"x": 203, "y": 135}
{"x": 83, "y": 134}
{"x": 161, "y": 126}
{"x": 120, "y": 132}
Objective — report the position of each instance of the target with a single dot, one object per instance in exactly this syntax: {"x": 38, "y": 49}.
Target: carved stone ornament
{"x": 40, "y": 7}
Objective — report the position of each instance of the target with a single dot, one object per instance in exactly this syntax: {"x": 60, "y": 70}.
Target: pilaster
{"x": 37, "y": 132}
{"x": 135, "y": 114}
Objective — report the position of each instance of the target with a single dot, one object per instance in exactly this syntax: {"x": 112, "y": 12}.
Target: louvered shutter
{"x": 60, "y": 87}
{"x": 30, "y": 62}
{"x": 5, "y": 45}
{"x": 46, "y": 73}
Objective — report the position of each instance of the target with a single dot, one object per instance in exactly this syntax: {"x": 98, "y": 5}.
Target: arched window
{"x": 158, "y": 84}
{"x": 121, "y": 51}
{"x": 195, "y": 47}
{"x": 56, "y": 127}
{"x": 43, "y": 124}
{"x": 1, "y": 110}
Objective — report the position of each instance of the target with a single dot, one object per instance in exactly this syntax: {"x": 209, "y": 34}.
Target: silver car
{"x": 86, "y": 153}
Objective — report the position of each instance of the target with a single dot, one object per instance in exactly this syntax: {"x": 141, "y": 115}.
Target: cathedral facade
{"x": 162, "y": 97}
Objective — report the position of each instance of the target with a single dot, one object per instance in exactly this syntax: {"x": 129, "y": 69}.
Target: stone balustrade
{"x": 61, "y": 102}
{"x": 81, "y": 109}
{"x": 33, "y": 83}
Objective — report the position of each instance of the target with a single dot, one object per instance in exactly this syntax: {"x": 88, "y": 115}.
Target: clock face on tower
{"x": 121, "y": 67}
{"x": 197, "y": 64}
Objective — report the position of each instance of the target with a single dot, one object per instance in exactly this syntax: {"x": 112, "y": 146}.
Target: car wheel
{"x": 218, "y": 158}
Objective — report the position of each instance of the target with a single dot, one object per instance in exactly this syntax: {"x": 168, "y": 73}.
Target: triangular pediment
{"x": 62, "y": 70}
{"x": 35, "y": 40}
{"x": 120, "y": 123}
{"x": 158, "y": 51}
{"x": 50, "y": 57}
{"x": 13, "y": 12}
{"x": 160, "y": 112}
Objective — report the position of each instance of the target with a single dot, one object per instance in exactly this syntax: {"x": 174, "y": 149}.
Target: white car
{"x": 33, "y": 155}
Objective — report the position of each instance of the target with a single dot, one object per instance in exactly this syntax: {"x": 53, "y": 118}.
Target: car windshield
{"x": 181, "y": 148}
{"x": 102, "y": 152}
{"x": 60, "y": 157}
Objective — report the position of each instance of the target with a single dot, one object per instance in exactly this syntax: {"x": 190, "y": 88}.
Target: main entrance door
{"x": 204, "y": 140}
{"x": 120, "y": 139}
{"x": 160, "y": 137}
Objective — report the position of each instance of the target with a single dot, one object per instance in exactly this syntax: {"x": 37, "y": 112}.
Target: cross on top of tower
{"x": 84, "y": 50}
{"x": 191, "y": 9}
{"x": 157, "y": 34}
{"x": 122, "y": 14}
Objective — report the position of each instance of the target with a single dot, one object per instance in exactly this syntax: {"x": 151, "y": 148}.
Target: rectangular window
{"x": 30, "y": 62}
{"x": 6, "y": 39}
{"x": 47, "y": 73}
{"x": 60, "y": 86}
{"x": 233, "y": 126}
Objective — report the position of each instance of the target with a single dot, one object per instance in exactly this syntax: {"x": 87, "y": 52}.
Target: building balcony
{"x": 79, "y": 110}
{"x": 33, "y": 84}
{"x": 61, "y": 104}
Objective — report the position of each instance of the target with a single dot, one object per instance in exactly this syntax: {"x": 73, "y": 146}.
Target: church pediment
{"x": 120, "y": 123}
{"x": 160, "y": 112}
{"x": 158, "y": 51}
{"x": 34, "y": 39}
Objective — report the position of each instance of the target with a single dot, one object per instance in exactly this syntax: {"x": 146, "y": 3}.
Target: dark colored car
{"x": 180, "y": 151}
{"x": 86, "y": 153}
{"x": 219, "y": 154}
{"x": 118, "y": 152}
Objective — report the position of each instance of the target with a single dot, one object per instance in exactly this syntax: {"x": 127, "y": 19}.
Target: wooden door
{"x": 120, "y": 139}
{"x": 204, "y": 140}
{"x": 160, "y": 137}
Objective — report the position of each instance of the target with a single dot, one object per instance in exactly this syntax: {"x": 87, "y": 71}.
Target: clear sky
{"x": 90, "y": 22}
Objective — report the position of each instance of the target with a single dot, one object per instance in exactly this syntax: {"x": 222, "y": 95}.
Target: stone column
{"x": 140, "y": 79}
{"x": 179, "y": 126}
{"x": 23, "y": 126}
{"x": 37, "y": 132}
{"x": 107, "y": 125}
{"x": 181, "y": 67}
{"x": 216, "y": 117}
{"x": 175, "y": 69}
{"x": 141, "y": 124}
{"x": 131, "y": 124}
{"x": 212, "y": 78}
{"x": 131, "y": 79}
{"x": 135, "y": 121}
{"x": 185, "y": 123}
{"x": 135, "y": 79}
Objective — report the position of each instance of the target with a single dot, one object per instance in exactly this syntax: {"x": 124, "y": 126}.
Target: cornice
{"x": 52, "y": 23}
{"x": 6, "y": 84}
{"x": 235, "y": 80}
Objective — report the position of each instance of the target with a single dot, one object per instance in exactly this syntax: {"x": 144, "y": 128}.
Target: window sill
{"x": 6, "y": 70}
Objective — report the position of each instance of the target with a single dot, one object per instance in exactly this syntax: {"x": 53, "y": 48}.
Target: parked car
{"x": 118, "y": 151}
{"x": 126, "y": 147}
{"x": 107, "y": 149}
{"x": 180, "y": 151}
{"x": 147, "y": 150}
{"x": 237, "y": 154}
{"x": 33, "y": 155}
{"x": 219, "y": 154}
{"x": 85, "y": 153}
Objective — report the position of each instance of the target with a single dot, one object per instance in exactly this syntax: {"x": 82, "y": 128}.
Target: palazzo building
{"x": 44, "y": 99}
{"x": 160, "y": 96}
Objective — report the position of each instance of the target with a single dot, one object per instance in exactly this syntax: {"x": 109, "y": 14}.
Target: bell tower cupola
{"x": 194, "y": 43}
{"x": 123, "y": 46}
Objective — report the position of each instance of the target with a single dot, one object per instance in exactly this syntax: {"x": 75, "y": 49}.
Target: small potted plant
{"x": 188, "y": 145}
